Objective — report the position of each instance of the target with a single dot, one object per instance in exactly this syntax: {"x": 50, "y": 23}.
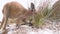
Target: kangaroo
{"x": 13, "y": 10}
{"x": 56, "y": 11}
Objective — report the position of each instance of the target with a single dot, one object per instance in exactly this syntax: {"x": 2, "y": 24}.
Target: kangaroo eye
{"x": 7, "y": 25}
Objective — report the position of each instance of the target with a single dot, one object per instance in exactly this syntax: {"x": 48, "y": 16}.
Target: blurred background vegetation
{"x": 52, "y": 14}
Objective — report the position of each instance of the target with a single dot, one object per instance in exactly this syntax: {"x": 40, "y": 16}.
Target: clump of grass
{"x": 41, "y": 16}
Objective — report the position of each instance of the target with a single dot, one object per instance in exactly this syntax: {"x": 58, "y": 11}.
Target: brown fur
{"x": 15, "y": 10}
{"x": 56, "y": 11}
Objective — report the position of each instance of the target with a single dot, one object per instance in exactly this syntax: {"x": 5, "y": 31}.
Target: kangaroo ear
{"x": 32, "y": 6}
{"x": 2, "y": 10}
